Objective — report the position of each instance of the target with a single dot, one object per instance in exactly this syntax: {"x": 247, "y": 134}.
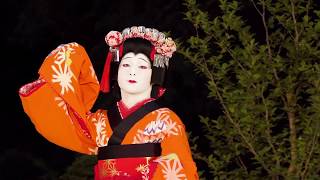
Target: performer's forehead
{"x": 139, "y": 56}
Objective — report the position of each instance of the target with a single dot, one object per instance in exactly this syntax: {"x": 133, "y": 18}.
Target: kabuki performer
{"x": 136, "y": 138}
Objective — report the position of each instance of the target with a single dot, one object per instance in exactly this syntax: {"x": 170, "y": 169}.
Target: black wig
{"x": 135, "y": 45}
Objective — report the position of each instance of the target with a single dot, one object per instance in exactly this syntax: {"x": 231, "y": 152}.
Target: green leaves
{"x": 252, "y": 77}
{"x": 317, "y": 27}
{"x": 81, "y": 168}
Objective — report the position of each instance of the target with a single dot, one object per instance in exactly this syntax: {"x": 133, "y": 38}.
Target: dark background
{"x": 31, "y": 29}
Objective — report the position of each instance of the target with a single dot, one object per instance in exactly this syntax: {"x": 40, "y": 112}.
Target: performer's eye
{"x": 125, "y": 65}
{"x": 143, "y": 67}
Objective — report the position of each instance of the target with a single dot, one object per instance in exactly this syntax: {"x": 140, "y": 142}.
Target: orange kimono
{"x": 150, "y": 144}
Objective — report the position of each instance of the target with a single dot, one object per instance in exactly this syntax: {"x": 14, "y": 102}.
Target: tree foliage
{"x": 82, "y": 168}
{"x": 266, "y": 76}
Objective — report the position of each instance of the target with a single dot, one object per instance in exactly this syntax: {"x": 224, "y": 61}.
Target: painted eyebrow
{"x": 126, "y": 58}
{"x": 147, "y": 61}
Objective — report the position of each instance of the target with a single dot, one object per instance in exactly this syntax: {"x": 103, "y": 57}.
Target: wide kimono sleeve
{"x": 59, "y": 102}
{"x": 176, "y": 159}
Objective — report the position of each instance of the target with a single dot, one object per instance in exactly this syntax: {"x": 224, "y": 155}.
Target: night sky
{"x": 31, "y": 29}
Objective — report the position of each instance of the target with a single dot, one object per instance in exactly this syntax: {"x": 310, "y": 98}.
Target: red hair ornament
{"x": 160, "y": 53}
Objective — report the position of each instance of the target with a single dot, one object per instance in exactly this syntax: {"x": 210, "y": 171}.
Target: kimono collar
{"x": 125, "y": 111}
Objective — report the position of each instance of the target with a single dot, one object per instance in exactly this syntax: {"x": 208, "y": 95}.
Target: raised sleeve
{"x": 58, "y": 102}
{"x": 176, "y": 159}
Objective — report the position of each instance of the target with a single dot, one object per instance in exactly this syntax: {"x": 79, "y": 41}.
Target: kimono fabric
{"x": 143, "y": 142}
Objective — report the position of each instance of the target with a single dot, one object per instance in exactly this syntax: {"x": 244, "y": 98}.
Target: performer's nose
{"x": 132, "y": 72}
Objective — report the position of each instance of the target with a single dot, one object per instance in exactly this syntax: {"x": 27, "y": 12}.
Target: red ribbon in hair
{"x": 152, "y": 53}
{"x": 105, "y": 80}
{"x": 104, "y": 84}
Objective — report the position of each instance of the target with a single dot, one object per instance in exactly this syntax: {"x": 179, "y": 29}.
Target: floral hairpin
{"x": 164, "y": 46}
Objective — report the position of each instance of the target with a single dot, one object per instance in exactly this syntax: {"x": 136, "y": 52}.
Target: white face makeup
{"x": 134, "y": 74}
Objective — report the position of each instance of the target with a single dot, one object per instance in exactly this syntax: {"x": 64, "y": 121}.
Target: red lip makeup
{"x": 132, "y": 81}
